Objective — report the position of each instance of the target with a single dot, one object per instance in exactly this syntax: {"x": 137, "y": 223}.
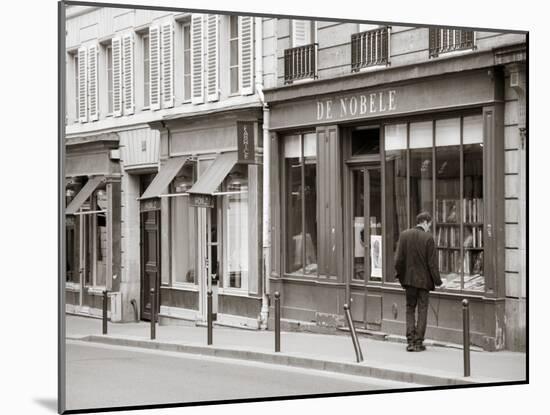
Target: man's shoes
{"x": 410, "y": 347}
{"x": 419, "y": 348}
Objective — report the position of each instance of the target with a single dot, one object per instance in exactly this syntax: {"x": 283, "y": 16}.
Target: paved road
{"x": 106, "y": 376}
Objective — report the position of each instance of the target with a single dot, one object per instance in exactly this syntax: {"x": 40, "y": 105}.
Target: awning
{"x": 84, "y": 194}
{"x": 163, "y": 178}
{"x": 214, "y": 175}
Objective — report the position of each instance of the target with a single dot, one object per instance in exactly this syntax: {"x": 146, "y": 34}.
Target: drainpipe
{"x": 266, "y": 226}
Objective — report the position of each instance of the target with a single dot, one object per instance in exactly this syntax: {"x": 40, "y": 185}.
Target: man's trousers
{"x": 416, "y": 328}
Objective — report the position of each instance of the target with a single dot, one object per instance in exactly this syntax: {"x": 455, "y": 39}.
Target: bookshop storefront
{"x": 351, "y": 170}
{"x": 205, "y": 203}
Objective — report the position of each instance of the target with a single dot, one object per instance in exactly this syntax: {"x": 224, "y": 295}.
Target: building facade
{"x": 371, "y": 125}
{"x": 155, "y": 101}
{"x": 348, "y": 130}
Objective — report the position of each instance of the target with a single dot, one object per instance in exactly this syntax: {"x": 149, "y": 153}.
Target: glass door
{"x": 366, "y": 224}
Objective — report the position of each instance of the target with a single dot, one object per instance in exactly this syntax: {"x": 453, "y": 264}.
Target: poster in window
{"x": 376, "y": 255}
{"x": 359, "y": 237}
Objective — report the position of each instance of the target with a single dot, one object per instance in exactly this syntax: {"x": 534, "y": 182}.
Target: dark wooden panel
{"x": 179, "y": 298}
{"x": 239, "y": 306}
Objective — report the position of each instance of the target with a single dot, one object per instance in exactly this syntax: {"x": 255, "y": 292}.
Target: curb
{"x": 356, "y": 369}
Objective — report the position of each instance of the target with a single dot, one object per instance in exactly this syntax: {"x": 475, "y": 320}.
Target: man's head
{"x": 424, "y": 219}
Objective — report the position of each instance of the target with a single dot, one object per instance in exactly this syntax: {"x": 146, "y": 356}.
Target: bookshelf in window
{"x": 456, "y": 259}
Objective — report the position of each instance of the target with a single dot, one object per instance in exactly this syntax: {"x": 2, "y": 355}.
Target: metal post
{"x": 209, "y": 315}
{"x": 356, "y": 345}
{"x": 466, "y": 336}
{"x": 277, "y": 321}
{"x": 105, "y": 298}
{"x": 153, "y": 314}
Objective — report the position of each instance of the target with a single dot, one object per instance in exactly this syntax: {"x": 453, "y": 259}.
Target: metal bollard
{"x": 105, "y": 299}
{"x": 209, "y": 315}
{"x": 153, "y": 315}
{"x": 277, "y": 321}
{"x": 466, "y": 336}
{"x": 356, "y": 345}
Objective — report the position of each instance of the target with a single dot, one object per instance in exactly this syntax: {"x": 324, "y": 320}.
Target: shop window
{"x": 94, "y": 238}
{"x": 455, "y": 199}
{"x": 235, "y": 219}
{"x": 184, "y": 229}
{"x": 365, "y": 141}
{"x": 300, "y": 164}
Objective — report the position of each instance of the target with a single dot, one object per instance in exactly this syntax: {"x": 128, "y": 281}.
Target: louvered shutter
{"x": 82, "y": 85}
{"x": 246, "y": 66}
{"x": 128, "y": 73}
{"x": 92, "y": 83}
{"x": 154, "y": 67}
{"x": 301, "y": 32}
{"x": 197, "y": 79}
{"x": 117, "y": 76}
{"x": 212, "y": 84}
{"x": 167, "y": 52}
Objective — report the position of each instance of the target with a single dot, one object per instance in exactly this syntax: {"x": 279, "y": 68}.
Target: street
{"x": 108, "y": 376}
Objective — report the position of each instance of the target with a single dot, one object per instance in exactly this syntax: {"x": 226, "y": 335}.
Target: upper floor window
{"x": 301, "y": 58}
{"x": 449, "y": 40}
{"x": 146, "y": 71}
{"x": 186, "y": 61}
{"x": 370, "y": 47}
{"x": 109, "y": 61}
{"x": 234, "y": 54}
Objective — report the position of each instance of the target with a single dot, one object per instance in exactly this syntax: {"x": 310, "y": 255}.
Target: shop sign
{"x": 198, "y": 200}
{"x": 356, "y": 105}
{"x": 245, "y": 142}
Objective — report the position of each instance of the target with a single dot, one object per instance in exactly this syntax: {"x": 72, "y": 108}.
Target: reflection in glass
{"x": 236, "y": 228}
{"x": 421, "y": 182}
{"x": 358, "y": 208}
{"x": 375, "y": 224}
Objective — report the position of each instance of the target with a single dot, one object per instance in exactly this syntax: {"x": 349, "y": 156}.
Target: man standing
{"x": 417, "y": 271}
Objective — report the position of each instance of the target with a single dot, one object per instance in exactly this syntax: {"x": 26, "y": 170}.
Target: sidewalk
{"x": 436, "y": 366}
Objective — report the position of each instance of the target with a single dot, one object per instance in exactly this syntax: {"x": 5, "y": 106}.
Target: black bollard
{"x": 153, "y": 315}
{"x": 277, "y": 321}
{"x": 209, "y": 315}
{"x": 356, "y": 345}
{"x": 466, "y": 336}
{"x": 105, "y": 299}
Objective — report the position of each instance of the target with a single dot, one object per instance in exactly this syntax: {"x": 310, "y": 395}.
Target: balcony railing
{"x": 300, "y": 63}
{"x": 369, "y": 48}
{"x": 450, "y": 40}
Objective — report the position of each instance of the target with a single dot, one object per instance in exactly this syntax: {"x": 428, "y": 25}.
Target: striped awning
{"x": 84, "y": 194}
{"x": 209, "y": 181}
{"x": 163, "y": 178}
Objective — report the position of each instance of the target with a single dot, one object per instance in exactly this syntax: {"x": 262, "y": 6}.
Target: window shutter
{"x": 213, "y": 57}
{"x": 117, "y": 76}
{"x": 128, "y": 73}
{"x": 167, "y": 52}
{"x": 301, "y": 32}
{"x": 82, "y": 85}
{"x": 154, "y": 67}
{"x": 197, "y": 79}
{"x": 246, "y": 64}
{"x": 92, "y": 83}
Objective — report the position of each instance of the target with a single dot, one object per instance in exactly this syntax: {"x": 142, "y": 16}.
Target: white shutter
{"x": 128, "y": 73}
{"x": 82, "y": 110}
{"x": 197, "y": 79}
{"x": 212, "y": 85}
{"x": 117, "y": 76}
{"x": 301, "y": 32}
{"x": 92, "y": 83}
{"x": 167, "y": 65}
{"x": 246, "y": 63}
{"x": 154, "y": 67}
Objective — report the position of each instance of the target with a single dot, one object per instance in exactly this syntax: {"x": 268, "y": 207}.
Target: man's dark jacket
{"x": 416, "y": 259}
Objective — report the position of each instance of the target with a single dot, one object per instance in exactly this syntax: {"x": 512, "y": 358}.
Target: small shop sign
{"x": 204, "y": 201}
{"x": 245, "y": 142}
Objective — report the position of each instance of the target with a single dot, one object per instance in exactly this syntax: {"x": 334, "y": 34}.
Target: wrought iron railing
{"x": 449, "y": 40}
{"x": 300, "y": 63}
{"x": 370, "y": 48}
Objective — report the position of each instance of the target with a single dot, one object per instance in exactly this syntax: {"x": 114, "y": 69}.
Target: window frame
{"x": 284, "y": 207}
{"x": 109, "y": 75}
{"x": 186, "y": 28}
{"x": 237, "y": 66}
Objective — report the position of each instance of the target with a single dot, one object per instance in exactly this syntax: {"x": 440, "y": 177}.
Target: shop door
{"x": 150, "y": 261}
{"x": 210, "y": 244}
{"x": 366, "y": 244}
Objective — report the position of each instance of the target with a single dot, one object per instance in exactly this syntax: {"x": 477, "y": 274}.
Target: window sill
{"x": 371, "y": 68}
{"x": 72, "y": 286}
{"x": 453, "y": 53}
{"x": 95, "y": 290}
{"x": 182, "y": 287}
{"x": 235, "y": 292}
{"x": 146, "y": 108}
